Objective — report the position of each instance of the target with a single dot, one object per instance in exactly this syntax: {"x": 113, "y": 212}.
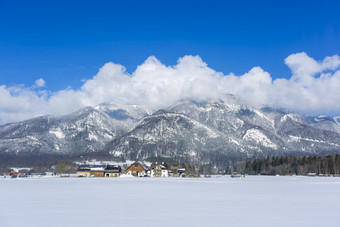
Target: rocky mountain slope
{"x": 215, "y": 131}
{"x": 224, "y": 131}
{"x": 325, "y": 122}
{"x": 86, "y": 130}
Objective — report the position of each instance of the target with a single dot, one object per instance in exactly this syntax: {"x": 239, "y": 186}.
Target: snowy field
{"x": 224, "y": 201}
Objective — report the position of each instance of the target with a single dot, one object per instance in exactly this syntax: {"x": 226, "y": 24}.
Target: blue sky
{"x": 67, "y": 42}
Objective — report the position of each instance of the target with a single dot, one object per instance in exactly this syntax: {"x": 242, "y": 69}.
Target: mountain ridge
{"x": 215, "y": 131}
{"x": 239, "y": 130}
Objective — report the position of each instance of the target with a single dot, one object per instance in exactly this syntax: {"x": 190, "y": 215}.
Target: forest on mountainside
{"x": 290, "y": 165}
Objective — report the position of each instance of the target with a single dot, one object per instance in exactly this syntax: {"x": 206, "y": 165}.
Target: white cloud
{"x": 40, "y": 82}
{"x": 304, "y": 68}
{"x": 18, "y": 103}
{"x": 313, "y": 88}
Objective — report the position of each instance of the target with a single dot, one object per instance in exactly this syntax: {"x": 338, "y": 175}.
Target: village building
{"x": 9, "y": 172}
{"x": 175, "y": 171}
{"x": 84, "y": 170}
{"x": 99, "y": 171}
{"x": 137, "y": 169}
{"x": 91, "y": 170}
{"x": 112, "y": 171}
{"x": 160, "y": 170}
{"x": 18, "y": 172}
{"x": 24, "y": 173}
{"x": 181, "y": 172}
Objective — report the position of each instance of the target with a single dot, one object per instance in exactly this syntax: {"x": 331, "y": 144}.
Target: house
{"x": 173, "y": 172}
{"x": 112, "y": 171}
{"x": 99, "y": 171}
{"x": 176, "y": 171}
{"x": 137, "y": 169}
{"x": 91, "y": 170}
{"x": 84, "y": 170}
{"x": 159, "y": 170}
{"x": 9, "y": 172}
{"x": 181, "y": 172}
{"x": 18, "y": 172}
{"x": 24, "y": 173}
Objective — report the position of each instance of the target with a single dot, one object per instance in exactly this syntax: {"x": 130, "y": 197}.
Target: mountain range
{"x": 221, "y": 131}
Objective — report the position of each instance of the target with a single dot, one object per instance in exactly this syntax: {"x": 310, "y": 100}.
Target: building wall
{"x": 136, "y": 170}
{"x": 97, "y": 174}
{"x": 112, "y": 174}
{"x": 84, "y": 173}
{"x": 165, "y": 173}
{"x": 10, "y": 173}
{"x": 22, "y": 174}
{"x": 156, "y": 172}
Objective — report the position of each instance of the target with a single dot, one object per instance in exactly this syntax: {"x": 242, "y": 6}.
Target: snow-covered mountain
{"x": 86, "y": 130}
{"x": 215, "y": 131}
{"x": 325, "y": 122}
{"x": 223, "y": 131}
{"x": 337, "y": 119}
{"x": 126, "y": 116}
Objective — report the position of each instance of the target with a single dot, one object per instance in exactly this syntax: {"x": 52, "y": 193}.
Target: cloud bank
{"x": 312, "y": 88}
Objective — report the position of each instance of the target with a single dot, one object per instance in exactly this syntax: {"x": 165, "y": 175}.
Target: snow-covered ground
{"x": 224, "y": 201}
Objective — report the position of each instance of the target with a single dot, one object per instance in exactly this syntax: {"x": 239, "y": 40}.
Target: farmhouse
{"x": 175, "y": 171}
{"x": 159, "y": 170}
{"x": 181, "y": 172}
{"x": 18, "y": 172}
{"x": 112, "y": 171}
{"x": 9, "y": 172}
{"x": 24, "y": 173}
{"x": 84, "y": 170}
{"x": 99, "y": 171}
{"x": 137, "y": 169}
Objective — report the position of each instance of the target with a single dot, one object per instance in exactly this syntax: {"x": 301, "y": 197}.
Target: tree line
{"x": 290, "y": 165}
